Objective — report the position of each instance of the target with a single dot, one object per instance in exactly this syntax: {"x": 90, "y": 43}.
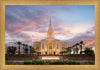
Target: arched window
{"x": 37, "y": 46}
{"x": 63, "y": 46}
{"x": 50, "y": 45}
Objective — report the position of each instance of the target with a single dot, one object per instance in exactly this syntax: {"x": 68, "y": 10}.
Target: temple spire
{"x": 50, "y": 33}
{"x": 50, "y": 22}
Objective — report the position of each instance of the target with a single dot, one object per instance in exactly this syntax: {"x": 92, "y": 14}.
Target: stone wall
{"x": 79, "y": 57}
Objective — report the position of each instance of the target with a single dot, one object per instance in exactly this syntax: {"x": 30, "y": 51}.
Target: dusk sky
{"x": 29, "y": 23}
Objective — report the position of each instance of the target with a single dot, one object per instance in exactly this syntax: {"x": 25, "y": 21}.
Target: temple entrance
{"x": 54, "y": 53}
{"x": 50, "y": 49}
{"x": 45, "y": 53}
{"x": 50, "y": 54}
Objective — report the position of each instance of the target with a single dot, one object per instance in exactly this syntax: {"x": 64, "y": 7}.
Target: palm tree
{"x": 81, "y": 43}
{"x": 19, "y": 43}
{"x": 8, "y": 50}
{"x": 88, "y": 51}
{"x": 65, "y": 52}
{"x": 38, "y": 53}
{"x": 62, "y": 52}
{"x": 23, "y": 48}
{"x": 76, "y": 48}
{"x": 26, "y": 48}
{"x": 69, "y": 50}
{"x": 32, "y": 50}
{"x": 11, "y": 50}
{"x": 73, "y": 49}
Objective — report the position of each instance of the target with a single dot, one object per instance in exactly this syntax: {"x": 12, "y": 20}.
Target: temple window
{"x": 63, "y": 45}
{"x": 50, "y": 44}
{"x": 37, "y": 46}
{"x": 50, "y": 47}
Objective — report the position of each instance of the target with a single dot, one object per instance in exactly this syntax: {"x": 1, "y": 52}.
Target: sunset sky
{"x": 71, "y": 23}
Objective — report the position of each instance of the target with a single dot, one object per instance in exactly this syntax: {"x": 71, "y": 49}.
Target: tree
{"x": 38, "y": 53}
{"x": 26, "y": 49}
{"x": 11, "y": 50}
{"x": 76, "y": 49}
{"x": 73, "y": 49}
{"x": 65, "y": 52}
{"x": 81, "y": 43}
{"x": 19, "y": 43}
{"x": 69, "y": 50}
{"x": 23, "y": 48}
{"x": 88, "y": 51}
{"x": 32, "y": 50}
{"x": 61, "y": 52}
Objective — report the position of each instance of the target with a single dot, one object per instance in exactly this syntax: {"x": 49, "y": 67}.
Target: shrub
{"x": 38, "y": 62}
{"x": 27, "y": 62}
{"x": 72, "y": 63}
{"x": 57, "y": 62}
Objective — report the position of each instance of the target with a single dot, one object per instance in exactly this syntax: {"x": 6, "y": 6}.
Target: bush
{"x": 38, "y": 62}
{"x": 27, "y": 62}
{"x": 72, "y": 63}
{"x": 57, "y": 63}
{"x": 51, "y": 62}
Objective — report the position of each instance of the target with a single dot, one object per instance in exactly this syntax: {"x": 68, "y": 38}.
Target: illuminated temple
{"x": 50, "y": 45}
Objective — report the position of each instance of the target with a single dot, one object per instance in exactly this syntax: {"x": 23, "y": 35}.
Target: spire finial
{"x": 50, "y": 19}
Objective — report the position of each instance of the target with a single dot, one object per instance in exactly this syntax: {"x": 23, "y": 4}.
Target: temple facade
{"x": 50, "y": 45}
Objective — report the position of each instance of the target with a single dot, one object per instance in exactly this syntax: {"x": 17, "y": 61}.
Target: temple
{"x": 50, "y": 45}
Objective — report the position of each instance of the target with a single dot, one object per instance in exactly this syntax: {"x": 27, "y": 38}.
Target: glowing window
{"x": 37, "y": 46}
{"x": 50, "y": 44}
{"x": 63, "y": 45}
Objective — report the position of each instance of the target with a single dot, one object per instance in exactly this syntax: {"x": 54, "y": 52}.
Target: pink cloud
{"x": 90, "y": 43}
{"x": 23, "y": 27}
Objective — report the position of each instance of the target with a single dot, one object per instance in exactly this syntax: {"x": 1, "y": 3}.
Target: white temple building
{"x": 50, "y": 45}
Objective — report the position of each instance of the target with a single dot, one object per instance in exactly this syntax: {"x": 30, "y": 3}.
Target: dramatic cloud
{"x": 30, "y": 23}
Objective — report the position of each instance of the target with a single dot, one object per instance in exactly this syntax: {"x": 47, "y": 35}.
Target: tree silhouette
{"x": 26, "y": 49}
{"x": 11, "y": 50}
{"x": 38, "y": 53}
{"x": 32, "y": 50}
{"x": 76, "y": 49}
{"x": 61, "y": 52}
{"x": 19, "y": 44}
{"x": 89, "y": 51}
{"x": 81, "y": 43}
{"x": 23, "y": 48}
{"x": 69, "y": 50}
{"x": 73, "y": 49}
